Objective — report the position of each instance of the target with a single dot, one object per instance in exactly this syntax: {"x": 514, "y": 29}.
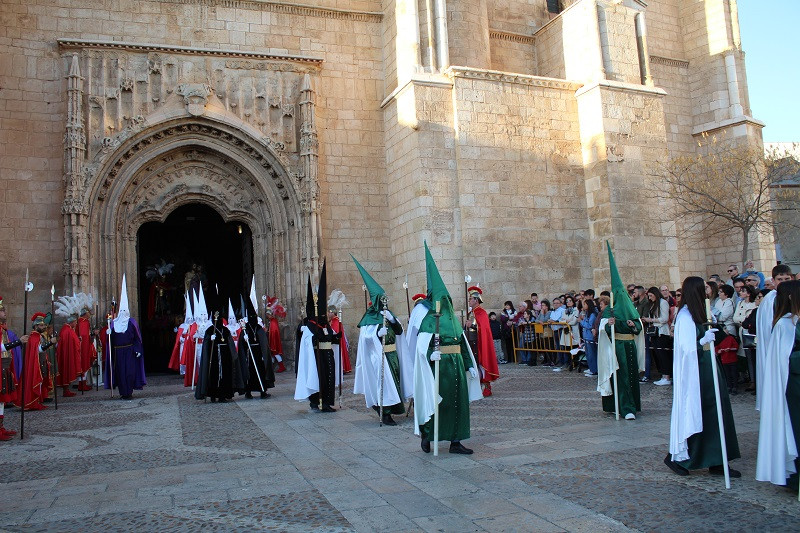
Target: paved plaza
{"x": 546, "y": 459}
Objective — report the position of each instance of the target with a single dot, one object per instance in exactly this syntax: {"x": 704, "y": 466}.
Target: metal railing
{"x": 539, "y": 339}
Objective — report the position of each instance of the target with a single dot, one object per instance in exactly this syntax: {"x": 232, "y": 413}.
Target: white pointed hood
{"x": 233, "y": 324}
{"x": 201, "y": 313}
{"x": 188, "y": 318}
{"x": 254, "y": 300}
{"x": 123, "y": 312}
{"x": 196, "y": 306}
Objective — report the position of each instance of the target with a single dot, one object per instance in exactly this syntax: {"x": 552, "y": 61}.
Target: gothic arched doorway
{"x": 192, "y": 235}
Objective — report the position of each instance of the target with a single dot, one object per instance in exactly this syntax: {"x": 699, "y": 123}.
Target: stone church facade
{"x": 514, "y": 139}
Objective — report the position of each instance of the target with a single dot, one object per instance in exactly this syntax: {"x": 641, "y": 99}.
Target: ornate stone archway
{"x": 197, "y": 145}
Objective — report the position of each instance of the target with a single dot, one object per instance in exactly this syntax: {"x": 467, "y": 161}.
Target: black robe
{"x": 219, "y": 372}
{"x": 259, "y": 344}
{"x": 326, "y": 365}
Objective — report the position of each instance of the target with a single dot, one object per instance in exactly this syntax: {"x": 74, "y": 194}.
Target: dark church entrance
{"x": 203, "y": 249}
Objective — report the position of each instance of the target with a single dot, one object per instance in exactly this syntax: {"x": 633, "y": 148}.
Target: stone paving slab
{"x": 546, "y": 459}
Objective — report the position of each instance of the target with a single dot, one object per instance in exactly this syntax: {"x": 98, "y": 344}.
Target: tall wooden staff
{"x": 408, "y": 300}
{"x": 436, "y": 345}
{"x": 98, "y": 347}
{"x": 28, "y": 288}
{"x": 341, "y": 361}
{"x": 55, "y": 357}
{"x": 111, "y": 346}
{"x": 616, "y": 365}
{"x": 383, "y": 307}
{"x": 366, "y": 305}
{"x": 467, "y": 280}
{"x": 714, "y": 370}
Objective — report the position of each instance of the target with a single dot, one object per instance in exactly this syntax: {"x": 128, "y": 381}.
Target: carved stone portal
{"x": 148, "y": 131}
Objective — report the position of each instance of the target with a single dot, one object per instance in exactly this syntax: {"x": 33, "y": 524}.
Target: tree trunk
{"x": 745, "y": 245}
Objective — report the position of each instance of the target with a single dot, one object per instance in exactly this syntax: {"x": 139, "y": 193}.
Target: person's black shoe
{"x": 425, "y": 445}
{"x": 457, "y": 447}
{"x": 675, "y": 467}
{"x": 213, "y": 400}
{"x": 314, "y": 407}
{"x": 248, "y": 395}
{"x": 223, "y": 400}
{"x": 720, "y": 471}
{"x": 48, "y": 400}
{"x": 388, "y": 420}
{"x": 328, "y": 409}
{"x": 129, "y": 397}
{"x": 265, "y": 395}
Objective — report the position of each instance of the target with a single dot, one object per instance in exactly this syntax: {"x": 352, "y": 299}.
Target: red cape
{"x": 188, "y": 356}
{"x": 486, "y": 355}
{"x": 336, "y": 326}
{"x": 275, "y": 344}
{"x": 32, "y": 373}
{"x": 175, "y": 358}
{"x": 68, "y": 356}
{"x": 88, "y": 351}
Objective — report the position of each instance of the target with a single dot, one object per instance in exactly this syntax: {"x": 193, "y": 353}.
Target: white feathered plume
{"x": 68, "y": 307}
{"x": 337, "y": 299}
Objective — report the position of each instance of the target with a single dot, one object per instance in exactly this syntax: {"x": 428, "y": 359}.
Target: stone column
{"x": 309, "y": 145}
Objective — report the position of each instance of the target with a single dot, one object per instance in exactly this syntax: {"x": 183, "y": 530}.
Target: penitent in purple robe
{"x": 128, "y": 361}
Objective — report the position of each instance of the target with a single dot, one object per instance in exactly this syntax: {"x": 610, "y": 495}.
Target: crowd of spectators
{"x": 567, "y": 333}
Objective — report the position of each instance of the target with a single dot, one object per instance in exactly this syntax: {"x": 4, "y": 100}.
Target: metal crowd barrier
{"x": 540, "y": 339}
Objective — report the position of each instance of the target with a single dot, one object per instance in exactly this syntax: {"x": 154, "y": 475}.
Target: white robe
{"x": 368, "y": 364}
{"x": 777, "y": 449}
{"x": 425, "y": 397}
{"x": 687, "y": 411}
{"x": 607, "y": 358}
{"x": 408, "y": 354}
{"x": 307, "y": 377}
{"x": 763, "y": 332}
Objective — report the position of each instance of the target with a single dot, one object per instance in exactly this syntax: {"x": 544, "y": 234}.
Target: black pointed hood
{"x": 311, "y": 310}
{"x": 322, "y": 295}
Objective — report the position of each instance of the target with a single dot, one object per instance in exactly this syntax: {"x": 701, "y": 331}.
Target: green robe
{"x": 393, "y": 330}
{"x": 454, "y": 407}
{"x": 627, "y": 358}
{"x": 793, "y": 393}
{"x": 705, "y": 449}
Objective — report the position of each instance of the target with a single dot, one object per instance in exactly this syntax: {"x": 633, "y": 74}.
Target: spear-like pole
{"x": 436, "y": 346}
{"x": 55, "y": 357}
{"x": 111, "y": 346}
{"x": 28, "y": 287}
{"x": 467, "y": 280}
{"x": 96, "y": 340}
{"x": 383, "y": 307}
{"x": 408, "y": 300}
{"x": 364, "y": 288}
{"x": 341, "y": 360}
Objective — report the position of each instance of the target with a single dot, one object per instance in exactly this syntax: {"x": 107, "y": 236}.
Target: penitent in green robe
{"x": 394, "y": 329}
{"x": 629, "y": 399}
{"x": 454, "y": 407}
{"x": 705, "y": 448}
{"x": 793, "y": 392}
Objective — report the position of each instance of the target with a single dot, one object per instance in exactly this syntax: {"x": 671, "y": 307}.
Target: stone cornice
{"x": 513, "y": 37}
{"x": 510, "y": 77}
{"x": 709, "y": 127}
{"x": 621, "y": 86}
{"x": 669, "y": 61}
{"x": 289, "y": 9}
{"x": 68, "y": 44}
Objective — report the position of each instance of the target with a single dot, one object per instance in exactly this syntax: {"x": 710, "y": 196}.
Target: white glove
{"x": 473, "y": 372}
{"x": 382, "y": 332}
{"x": 175, "y": 330}
{"x": 436, "y": 355}
{"x": 246, "y": 337}
{"x": 388, "y": 315}
{"x": 278, "y": 358}
{"x": 469, "y": 309}
{"x": 138, "y": 354}
{"x": 214, "y": 337}
{"x": 708, "y": 337}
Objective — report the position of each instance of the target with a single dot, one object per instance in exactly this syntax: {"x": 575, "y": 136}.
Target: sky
{"x": 771, "y": 42}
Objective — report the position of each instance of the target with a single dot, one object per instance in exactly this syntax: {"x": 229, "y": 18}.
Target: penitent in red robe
{"x": 35, "y": 392}
{"x": 68, "y": 356}
{"x": 188, "y": 356}
{"x": 486, "y": 356}
{"x": 175, "y": 360}
{"x": 336, "y": 326}
{"x": 275, "y": 344}
{"x": 88, "y": 351}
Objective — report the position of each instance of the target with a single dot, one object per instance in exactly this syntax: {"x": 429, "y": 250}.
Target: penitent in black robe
{"x": 219, "y": 371}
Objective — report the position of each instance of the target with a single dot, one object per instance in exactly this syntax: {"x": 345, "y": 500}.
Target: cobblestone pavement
{"x": 546, "y": 459}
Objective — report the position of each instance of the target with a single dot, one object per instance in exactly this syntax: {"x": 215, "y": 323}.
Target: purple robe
{"x": 12, "y": 337}
{"x": 128, "y": 368}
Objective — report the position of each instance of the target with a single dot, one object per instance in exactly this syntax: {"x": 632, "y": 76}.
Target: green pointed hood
{"x": 372, "y": 314}
{"x": 449, "y": 327}
{"x": 623, "y": 306}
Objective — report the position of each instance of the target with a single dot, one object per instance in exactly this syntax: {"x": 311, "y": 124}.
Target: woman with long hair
{"x": 779, "y": 431}
{"x": 694, "y": 431}
{"x": 656, "y": 321}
